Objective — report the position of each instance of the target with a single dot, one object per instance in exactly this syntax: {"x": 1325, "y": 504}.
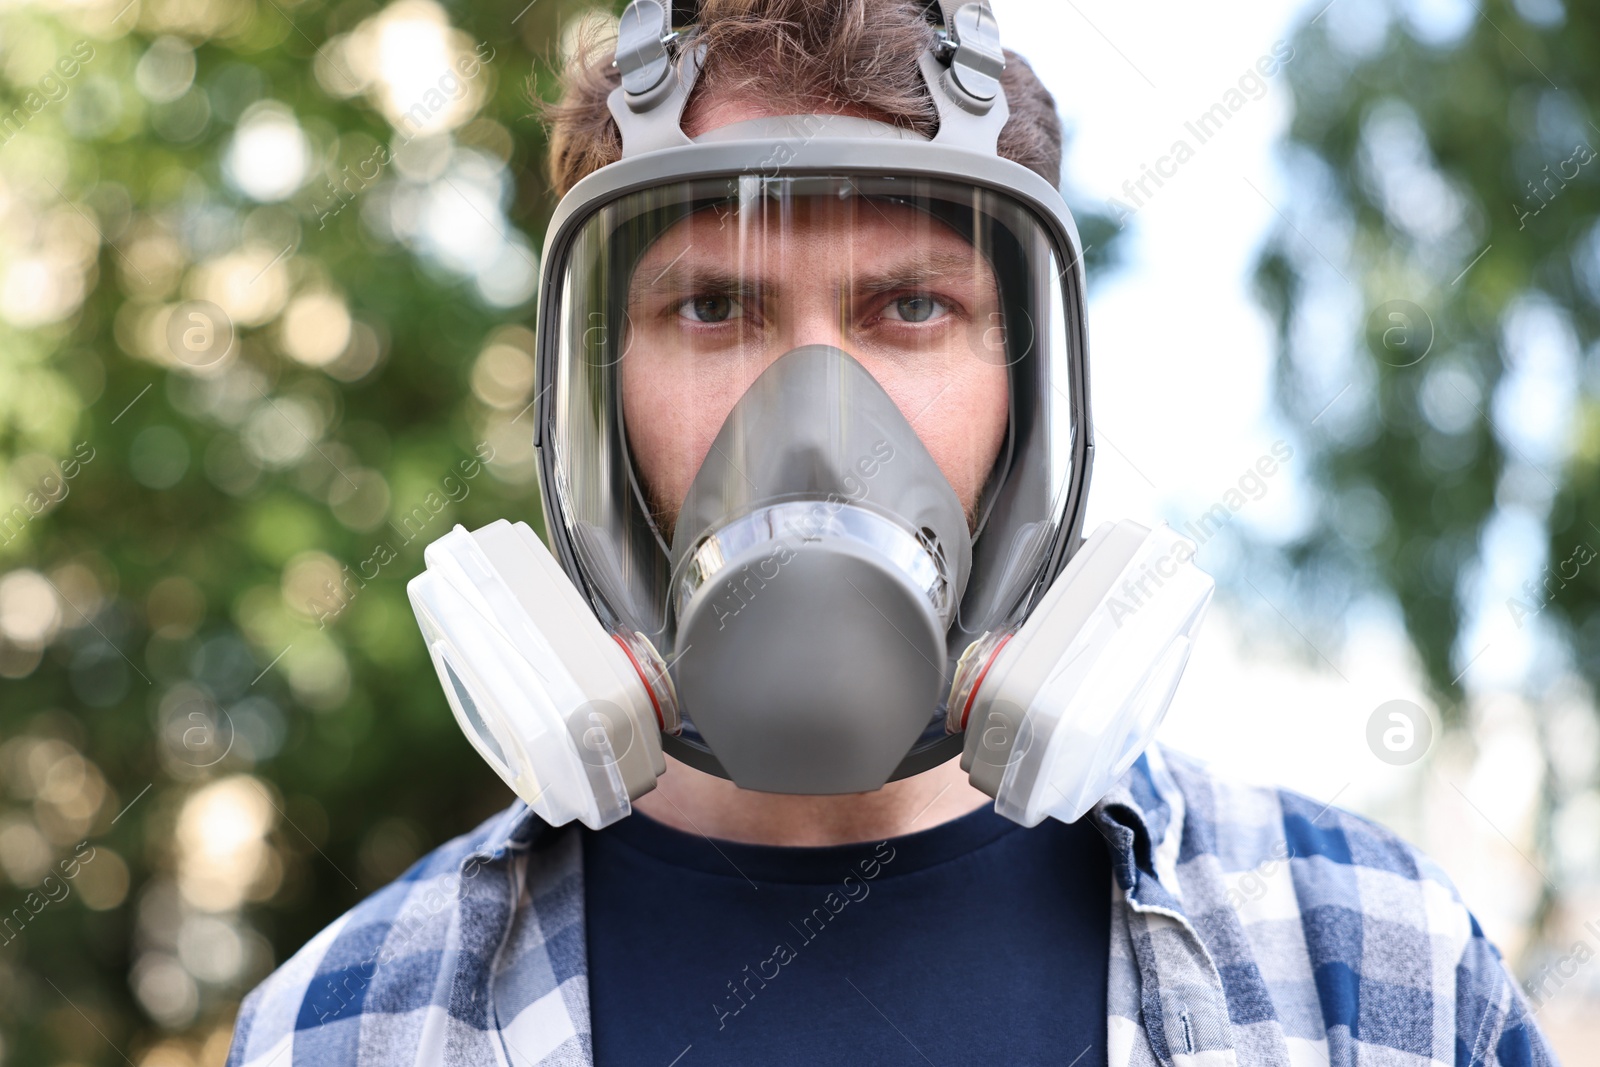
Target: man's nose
{"x": 820, "y": 320}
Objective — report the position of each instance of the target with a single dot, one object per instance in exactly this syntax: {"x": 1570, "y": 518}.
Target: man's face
{"x": 721, "y": 296}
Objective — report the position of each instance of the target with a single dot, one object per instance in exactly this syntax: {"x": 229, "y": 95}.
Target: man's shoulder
{"x": 1235, "y": 825}
{"x": 1317, "y": 901}
{"x": 386, "y": 954}
{"x": 1301, "y": 874}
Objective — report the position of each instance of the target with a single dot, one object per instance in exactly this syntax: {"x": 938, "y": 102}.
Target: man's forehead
{"x": 858, "y": 234}
{"x": 854, "y": 220}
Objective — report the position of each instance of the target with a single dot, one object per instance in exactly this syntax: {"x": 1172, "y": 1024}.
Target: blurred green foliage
{"x": 1445, "y": 186}
{"x": 1444, "y": 162}
{"x": 176, "y": 608}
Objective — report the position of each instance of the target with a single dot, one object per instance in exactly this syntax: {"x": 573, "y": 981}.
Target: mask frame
{"x": 657, "y": 152}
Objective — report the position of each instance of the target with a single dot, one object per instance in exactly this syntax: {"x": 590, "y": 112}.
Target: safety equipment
{"x": 557, "y": 706}
{"x": 814, "y": 442}
{"x": 1054, "y": 713}
{"x": 820, "y": 553}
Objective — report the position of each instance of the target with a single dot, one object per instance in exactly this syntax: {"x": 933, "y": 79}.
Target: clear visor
{"x": 669, "y": 303}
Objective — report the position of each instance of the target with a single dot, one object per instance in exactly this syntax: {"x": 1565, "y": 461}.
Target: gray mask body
{"x": 817, "y": 560}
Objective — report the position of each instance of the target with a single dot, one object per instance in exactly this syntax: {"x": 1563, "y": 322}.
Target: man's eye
{"x": 914, "y": 308}
{"x": 710, "y": 307}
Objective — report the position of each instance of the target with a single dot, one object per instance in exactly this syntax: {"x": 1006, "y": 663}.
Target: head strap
{"x": 643, "y": 33}
{"x": 659, "y": 68}
{"x": 976, "y": 58}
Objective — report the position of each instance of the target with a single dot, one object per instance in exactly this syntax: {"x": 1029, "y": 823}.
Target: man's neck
{"x": 700, "y": 803}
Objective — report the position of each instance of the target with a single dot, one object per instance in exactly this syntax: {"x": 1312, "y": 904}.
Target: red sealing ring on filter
{"x": 973, "y": 694}
{"x": 661, "y": 723}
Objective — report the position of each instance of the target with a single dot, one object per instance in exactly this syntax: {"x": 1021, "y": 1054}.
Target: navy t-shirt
{"x": 973, "y": 942}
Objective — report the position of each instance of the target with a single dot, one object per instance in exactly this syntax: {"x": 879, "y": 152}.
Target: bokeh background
{"x": 266, "y": 272}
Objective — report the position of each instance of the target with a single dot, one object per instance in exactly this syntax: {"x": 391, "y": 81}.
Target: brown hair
{"x": 823, "y": 56}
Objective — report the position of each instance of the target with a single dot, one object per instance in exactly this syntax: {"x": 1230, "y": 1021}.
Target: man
{"x": 814, "y": 443}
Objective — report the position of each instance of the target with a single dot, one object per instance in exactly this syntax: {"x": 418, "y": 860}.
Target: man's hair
{"x": 824, "y": 56}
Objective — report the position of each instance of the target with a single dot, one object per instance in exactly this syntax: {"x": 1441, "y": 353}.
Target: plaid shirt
{"x": 1249, "y": 926}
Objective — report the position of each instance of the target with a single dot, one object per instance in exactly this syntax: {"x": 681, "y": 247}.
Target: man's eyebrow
{"x": 676, "y": 277}
{"x": 922, "y": 269}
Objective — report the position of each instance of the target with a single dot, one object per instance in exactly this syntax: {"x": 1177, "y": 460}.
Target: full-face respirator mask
{"x": 814, "y": 443}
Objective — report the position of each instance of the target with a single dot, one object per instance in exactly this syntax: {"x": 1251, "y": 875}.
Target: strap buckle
{"x": 977, "y": 59}
{"x": 643, "y": 33}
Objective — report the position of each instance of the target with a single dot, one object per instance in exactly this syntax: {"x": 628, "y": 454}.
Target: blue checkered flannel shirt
{"x": 1249, "y": 926}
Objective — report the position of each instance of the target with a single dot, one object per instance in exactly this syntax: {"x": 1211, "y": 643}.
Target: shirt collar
{"x": 514, "y": 829}
{"x": 1142, "y": 820}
